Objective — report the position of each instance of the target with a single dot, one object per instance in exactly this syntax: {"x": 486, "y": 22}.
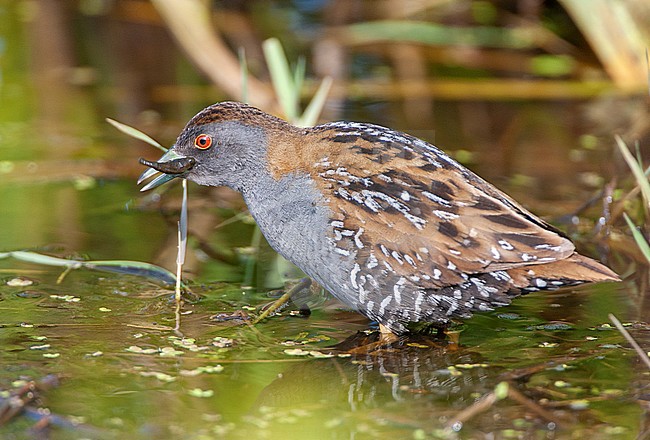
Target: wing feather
{"x": 422, "y": 213}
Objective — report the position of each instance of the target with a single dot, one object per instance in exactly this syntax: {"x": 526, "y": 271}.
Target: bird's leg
{"x": 303, "y": 284}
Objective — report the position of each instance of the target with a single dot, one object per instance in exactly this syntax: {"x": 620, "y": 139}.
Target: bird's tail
{"x": 575, "y": 269}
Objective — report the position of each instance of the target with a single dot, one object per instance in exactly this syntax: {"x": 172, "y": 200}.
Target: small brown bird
{"x": 386, "y": 222}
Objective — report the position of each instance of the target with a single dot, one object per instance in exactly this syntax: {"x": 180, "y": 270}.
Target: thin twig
{"x": 481, "y": 405}
{"x": 303, "y": 284}
{"x": 65, "y": 273}
{"x": 533, "y": 406}
{"x": 504, "y": 389}
{"x": 180, "y": 256}
{"x": 177, "y": 290}
{"x": 642, "y": 354}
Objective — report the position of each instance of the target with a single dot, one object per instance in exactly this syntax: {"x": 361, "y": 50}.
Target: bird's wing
{"x": 401, "y": 203}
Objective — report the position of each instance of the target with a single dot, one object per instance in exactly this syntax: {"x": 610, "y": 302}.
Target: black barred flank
{"x": 508, "y": 220}
{"x": 441, "y": 189}
{"x": 343, "y": 138}
{"x": 485, "y": 204}
{"x": 531, "y": 241}
{"x": 448, "y": 229}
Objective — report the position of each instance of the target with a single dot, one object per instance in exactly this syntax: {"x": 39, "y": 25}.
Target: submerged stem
{"x": 180, "y": 257}
{"x": 303, "y": 284}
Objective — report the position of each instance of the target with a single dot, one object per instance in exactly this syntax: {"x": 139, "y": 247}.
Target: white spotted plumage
{"x": 387, "y": 222}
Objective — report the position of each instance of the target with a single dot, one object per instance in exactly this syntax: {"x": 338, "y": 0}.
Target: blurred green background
{"x": 528, "y": 93}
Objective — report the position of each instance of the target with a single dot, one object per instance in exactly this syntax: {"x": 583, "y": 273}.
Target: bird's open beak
{"x": 171, "y": 165}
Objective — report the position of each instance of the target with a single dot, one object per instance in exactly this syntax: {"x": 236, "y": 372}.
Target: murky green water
{"x": 67, "y": 188}
{"x": 124, "y": 372}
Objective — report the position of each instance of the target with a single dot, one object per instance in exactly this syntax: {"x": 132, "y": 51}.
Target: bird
{"x": 388, "y": 223}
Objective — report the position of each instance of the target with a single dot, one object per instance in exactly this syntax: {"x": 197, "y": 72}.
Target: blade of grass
{"x": 281, "y": 77}
{"x": 638, "y": 237}
{"x": 637, "y": 170}
{"x": 642, "y": 354}
{"x": 299, "y": 77}
{"x": 315, "y": 107}
{"x": 180, "y": 257}
{"x": 182, "y": 241}
{"x": 243, "y": 68}
{"x": 182, "y": 224}
{"x": 46, "y": 260}
{"x": 135, "y": 133}
{"x": 136, "y": 268}
{"x": 117, "y": 266}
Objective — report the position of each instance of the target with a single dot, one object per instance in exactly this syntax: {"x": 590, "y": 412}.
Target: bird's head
{"x": 220, "y": 146}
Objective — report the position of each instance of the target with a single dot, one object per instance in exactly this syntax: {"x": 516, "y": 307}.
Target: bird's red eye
{"x": 203, "y": 141}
